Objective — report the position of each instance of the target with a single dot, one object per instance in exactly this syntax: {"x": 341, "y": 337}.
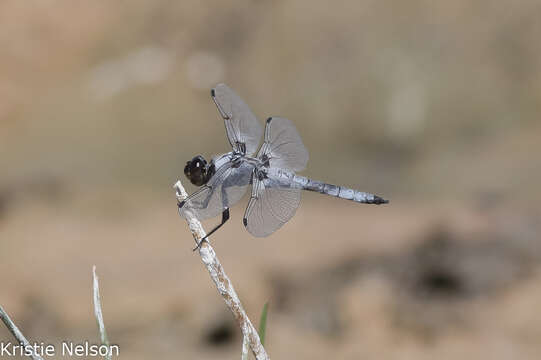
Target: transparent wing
{"x": 283, "y": 145}
{"x": 271, "y": 205}
{"x": 243, "y": 130}
{"x": 224, "y": 189}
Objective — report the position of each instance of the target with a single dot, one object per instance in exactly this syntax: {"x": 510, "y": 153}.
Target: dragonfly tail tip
{"x": 379, "y": 200}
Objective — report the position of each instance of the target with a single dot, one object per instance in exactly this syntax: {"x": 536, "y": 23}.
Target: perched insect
{"x": 276, "y": 189}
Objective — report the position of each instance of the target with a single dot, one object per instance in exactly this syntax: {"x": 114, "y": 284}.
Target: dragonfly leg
{"x": 225, "y": 217}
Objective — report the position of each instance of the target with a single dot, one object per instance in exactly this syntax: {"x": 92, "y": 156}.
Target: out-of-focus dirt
{"x": 342, "y": 280}
{"x": 434, "y": 105}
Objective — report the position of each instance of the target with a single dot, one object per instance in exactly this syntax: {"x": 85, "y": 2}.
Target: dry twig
{"x": 17, "y": 334}
{"x": 221, "y": 280}
{"x": 245, "y": 347}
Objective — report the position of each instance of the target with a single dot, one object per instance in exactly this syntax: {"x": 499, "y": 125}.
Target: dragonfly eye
{"x": 196, "y": 170}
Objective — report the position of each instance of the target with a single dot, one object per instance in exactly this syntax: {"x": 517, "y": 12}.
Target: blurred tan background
{"x": 433, "y": 105}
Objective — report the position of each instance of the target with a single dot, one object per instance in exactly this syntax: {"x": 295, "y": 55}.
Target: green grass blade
{"x": 263, "y": 323}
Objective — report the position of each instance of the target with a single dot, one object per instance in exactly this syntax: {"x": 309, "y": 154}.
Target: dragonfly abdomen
{"x": 338, "y": 191}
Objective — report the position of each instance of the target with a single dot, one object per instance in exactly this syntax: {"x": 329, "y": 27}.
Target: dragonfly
{"x": 271, "y": 172}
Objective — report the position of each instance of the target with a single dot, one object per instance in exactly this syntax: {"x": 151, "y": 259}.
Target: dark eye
{"x": 196, "y": 170}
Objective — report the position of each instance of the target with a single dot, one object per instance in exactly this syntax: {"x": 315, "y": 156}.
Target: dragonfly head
{"x": 197, "y": 170}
